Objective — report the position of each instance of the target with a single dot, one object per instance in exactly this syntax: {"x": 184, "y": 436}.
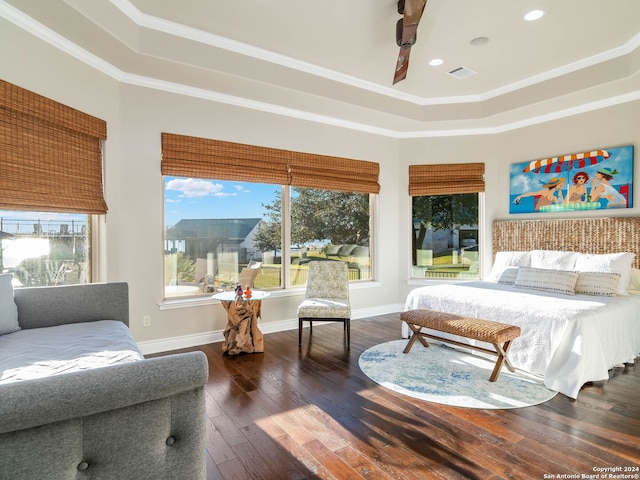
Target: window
{"x": 444, "y": 200}
{"x": 233, "y": 211}
{"x": 43, "y": 248}
{"x": 330, "y": 225}
{"x": 50, "y": 184}
{"x": 218, "y": 230}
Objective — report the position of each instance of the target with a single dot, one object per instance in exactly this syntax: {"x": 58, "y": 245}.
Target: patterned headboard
{"x": 586, "y": 235}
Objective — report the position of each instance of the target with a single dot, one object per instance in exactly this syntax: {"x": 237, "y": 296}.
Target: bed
{"x": 572, "y": 333}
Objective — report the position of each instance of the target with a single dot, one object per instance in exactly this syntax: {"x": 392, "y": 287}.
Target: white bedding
{"x": 42, "y": 352}
{"x": 568, "y": 339}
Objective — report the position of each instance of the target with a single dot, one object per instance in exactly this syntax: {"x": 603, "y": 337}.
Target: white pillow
{"x": 553, "y": 259}
{"x": 634, "y": 282}
{"x": 610, "y": 263}
{"x": 508, "y": 259}
{"x": 8, "y": 308}
{"x": 597, "y": 283}
{"x": 548, "y": 280}
{"x": 508, "y": 275}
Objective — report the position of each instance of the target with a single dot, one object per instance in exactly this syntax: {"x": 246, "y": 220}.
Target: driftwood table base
{"x": 242, "y": 335}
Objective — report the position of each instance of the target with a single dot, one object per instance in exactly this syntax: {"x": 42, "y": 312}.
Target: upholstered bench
{"x": 498, "y": 334}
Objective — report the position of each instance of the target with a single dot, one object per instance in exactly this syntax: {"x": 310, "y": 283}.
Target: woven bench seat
{"x": 497, "y": 334}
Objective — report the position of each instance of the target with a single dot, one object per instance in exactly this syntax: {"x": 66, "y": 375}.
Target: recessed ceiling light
{"x": 436, "y": 61}
{"x": 479, "y": 41}
{"x": 533, "y": 15}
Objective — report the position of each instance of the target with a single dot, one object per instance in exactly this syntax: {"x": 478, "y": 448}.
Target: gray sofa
{"x": 142, "y": 419}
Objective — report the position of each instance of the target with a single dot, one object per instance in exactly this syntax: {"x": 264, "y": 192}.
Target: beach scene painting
{"x": 590, "y": 180}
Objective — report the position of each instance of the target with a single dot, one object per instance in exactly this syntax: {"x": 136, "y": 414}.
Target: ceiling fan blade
{"x": 413, "y": 11}
{"x": 412, "y": 14}
{"x": 402, "y": 65}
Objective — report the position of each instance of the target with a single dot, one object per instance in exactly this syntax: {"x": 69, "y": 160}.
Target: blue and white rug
{"x": 449, "y": 376}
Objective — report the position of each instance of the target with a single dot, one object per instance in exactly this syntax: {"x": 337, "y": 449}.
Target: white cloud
{"x": 241, "y": 188}
{"x": 195, "y": 187}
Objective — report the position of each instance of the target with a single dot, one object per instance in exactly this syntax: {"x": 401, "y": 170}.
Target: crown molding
{"x": 179, "y": 30}
{"x": 27, "y": 23}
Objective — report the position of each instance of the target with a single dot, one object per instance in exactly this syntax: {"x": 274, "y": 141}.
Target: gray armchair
{"x": 327, "y": 297}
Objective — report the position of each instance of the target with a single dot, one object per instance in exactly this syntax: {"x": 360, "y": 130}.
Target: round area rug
{"x": 449, "y": 376}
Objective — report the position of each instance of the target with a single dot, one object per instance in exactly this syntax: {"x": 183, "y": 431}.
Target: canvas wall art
{"x": 594, "y": 180}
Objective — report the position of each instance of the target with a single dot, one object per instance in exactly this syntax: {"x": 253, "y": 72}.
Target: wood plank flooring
{"x": 310, "y": 413}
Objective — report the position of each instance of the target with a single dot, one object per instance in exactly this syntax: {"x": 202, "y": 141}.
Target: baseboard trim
{"x": 186, "y": 341}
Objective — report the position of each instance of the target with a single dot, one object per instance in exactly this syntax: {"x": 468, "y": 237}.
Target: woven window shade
{"x": 196, "y": 157}
{"x": 446, "y": 179}
{"x": 333, "y": 173}
{"x": 186, "y": 156}
{"x": 50, "y": 155}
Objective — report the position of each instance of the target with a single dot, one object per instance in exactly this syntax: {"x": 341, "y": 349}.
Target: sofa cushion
{"x": 8, "y": 308}
{"x": 42, "y": 352}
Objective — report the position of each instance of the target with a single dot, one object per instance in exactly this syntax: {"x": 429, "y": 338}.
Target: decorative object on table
{"x": 239, "y": 291}
{"x": 450, "y": 376}
{"x": 326, "y": 297}
{"x": 595, "y": 180}
{"x": 242, "y": 335}
{"x": 247, "y": 292}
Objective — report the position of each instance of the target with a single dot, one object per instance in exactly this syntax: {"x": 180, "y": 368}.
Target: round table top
{"x": 230, "y": 296}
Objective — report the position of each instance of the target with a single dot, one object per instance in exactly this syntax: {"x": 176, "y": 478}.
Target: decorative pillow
{"x": 8, "y": 308}
{"x": 634, "y": 283}
{"x": 549, "y": 280}
{"x": 508, "y": 275}
{"x": 508, "y": 259}
{"x": 553, "y": 259}
{"x": 597, "y": 283}
{"x": 610, "y": 263}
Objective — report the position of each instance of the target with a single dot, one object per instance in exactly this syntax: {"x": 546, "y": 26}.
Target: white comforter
{"x": 568, "y": 339}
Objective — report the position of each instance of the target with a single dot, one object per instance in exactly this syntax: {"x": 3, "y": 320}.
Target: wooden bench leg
{"x": 416, "y": 329}
{"x": 502, "y": 357}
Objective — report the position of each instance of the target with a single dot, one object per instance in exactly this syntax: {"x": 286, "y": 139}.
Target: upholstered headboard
{"x": 586, "y": 235}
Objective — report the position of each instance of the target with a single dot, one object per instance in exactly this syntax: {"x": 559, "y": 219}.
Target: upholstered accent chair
{"x": 326, "y": 297}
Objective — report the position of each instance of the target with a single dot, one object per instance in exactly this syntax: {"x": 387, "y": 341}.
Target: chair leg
{"x": 347, "y": 324}
{"x": 299, "y": 331}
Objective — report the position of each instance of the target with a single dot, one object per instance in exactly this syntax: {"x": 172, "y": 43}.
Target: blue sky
{"x": 200, "y": 198}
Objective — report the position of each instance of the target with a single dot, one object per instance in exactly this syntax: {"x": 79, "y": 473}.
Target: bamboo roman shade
{"x": 50, "y": 155}
{"x": 446, "y": 179}
{"x": 186, "y": 156}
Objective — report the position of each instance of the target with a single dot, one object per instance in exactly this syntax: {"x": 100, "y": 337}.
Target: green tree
{"x": 269, "y": 234}
{"x": 442, "y": 212}
{"x": 340, "y": 217}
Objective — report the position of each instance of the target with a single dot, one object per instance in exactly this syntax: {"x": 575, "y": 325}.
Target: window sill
{"x": 171, "y": 303}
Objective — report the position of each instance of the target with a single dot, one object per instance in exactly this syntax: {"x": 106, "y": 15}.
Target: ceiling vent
{"x": 461, "y": 72}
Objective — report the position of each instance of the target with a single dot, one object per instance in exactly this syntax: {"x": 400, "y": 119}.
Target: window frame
{"x": 285, "y": 248}
{"x": 447, "y": 179}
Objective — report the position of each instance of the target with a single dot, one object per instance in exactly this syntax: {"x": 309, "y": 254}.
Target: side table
{"x": 242, "y": 333}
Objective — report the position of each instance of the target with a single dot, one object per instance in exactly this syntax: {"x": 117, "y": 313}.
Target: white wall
{"x": 614, "y": 126}
{"x": 130, "y": 236}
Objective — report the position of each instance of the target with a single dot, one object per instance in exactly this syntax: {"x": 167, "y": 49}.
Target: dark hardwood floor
{"x": 291, "y": 413}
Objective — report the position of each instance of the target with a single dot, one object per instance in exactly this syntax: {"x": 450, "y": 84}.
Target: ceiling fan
{"x": 406, "y": 34}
